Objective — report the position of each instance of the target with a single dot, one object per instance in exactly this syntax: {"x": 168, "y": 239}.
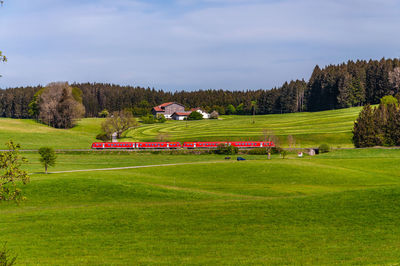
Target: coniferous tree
{"x": 364, "y": 131}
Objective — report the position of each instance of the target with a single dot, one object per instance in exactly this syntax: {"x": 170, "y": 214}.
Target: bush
{"x": 324, "y": 148}
{"x": 226, "y": 149}
{"x": 195, "y": 116}
{"x": 104, "y": 113}
{"x": 148, "y": 119}
{"x": 161, "y": 118}
{"x": 6, "y": 258}
{"x": 103, "y": 137}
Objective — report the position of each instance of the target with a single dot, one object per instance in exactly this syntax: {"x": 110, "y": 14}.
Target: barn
{"x": 168, "y": 109}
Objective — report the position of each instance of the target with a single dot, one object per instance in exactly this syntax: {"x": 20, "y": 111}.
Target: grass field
{"x": 308, "y": 129}
{"x": 341, "y": 207}
{"x": 33, "y": 135}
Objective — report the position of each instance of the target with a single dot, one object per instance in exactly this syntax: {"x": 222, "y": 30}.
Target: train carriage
{"x": 158, "y": 145}
{"x": 204, "y": 144}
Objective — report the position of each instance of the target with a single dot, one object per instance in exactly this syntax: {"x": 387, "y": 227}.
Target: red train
{"x": 177, "y": 145}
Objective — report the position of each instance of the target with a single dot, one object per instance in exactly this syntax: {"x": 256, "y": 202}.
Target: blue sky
{"x": 190, "y": 44}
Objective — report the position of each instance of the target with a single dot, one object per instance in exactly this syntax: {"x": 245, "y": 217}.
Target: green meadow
{"x": 308, "y": 129}
{"x": 342, "y": 207}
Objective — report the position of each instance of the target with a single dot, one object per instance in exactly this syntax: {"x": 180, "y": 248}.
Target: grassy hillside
{"x": 33, "y": 135}
{"x": 309, "y": 129}
{"x": 342, "y": 207}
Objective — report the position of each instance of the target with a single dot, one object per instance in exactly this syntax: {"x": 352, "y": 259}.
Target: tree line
{"x": 332, "y": 87}
{"x": 378, "y": 126}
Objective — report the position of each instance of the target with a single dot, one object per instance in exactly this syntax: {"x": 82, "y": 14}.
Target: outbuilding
{"x": 202, "y": 112}
{"x": 180, "y": 115}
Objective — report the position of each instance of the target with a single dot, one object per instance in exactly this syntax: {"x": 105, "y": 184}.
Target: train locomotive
{"x": 178, "y": 145}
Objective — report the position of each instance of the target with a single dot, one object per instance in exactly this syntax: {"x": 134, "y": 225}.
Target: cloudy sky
{"x": 190, "y": 44}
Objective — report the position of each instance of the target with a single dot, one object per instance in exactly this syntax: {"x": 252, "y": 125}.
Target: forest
{"x": 332, "y": 87}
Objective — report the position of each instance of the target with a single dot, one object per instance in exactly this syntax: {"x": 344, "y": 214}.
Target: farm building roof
{"x": 161, "y": 107}
{"x": 182, "y": 114}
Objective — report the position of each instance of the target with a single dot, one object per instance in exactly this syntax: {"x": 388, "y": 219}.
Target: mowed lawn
{"x": 308, "y": 129}
{"x": 340, "y": 207}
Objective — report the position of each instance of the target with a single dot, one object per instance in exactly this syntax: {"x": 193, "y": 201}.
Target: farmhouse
{"x": 180, "y": 115}
{"x": 202, "y": 112}
{"x": 168, "y": 109}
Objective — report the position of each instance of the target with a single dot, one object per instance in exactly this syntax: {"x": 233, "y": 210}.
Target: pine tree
{"x": 364, "y": 131}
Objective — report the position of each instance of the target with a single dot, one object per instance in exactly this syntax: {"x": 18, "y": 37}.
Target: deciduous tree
{"x": 59, "y": 105}
{"x": 11, "y": 173}
{"x": 118, "y": 123}
{"x": 47, "y": 157}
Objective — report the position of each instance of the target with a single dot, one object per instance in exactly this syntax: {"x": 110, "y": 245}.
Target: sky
{"x": 190, "y": 44}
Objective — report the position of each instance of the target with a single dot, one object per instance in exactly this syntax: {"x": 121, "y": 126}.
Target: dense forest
{"x": 333, "y": 87}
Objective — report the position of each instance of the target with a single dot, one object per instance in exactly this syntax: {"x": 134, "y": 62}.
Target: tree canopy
{"x": 378, "y": 126}
{"x": 118, "y": 122}
{"x": 57, "y": 105}
{"x": 11, "y": 173}
{"x": 47, "y": 157}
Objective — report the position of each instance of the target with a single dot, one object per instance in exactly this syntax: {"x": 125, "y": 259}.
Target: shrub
{"x": 6, "y": 258}
{"x": 148, "y": 119}
{"x": 226, "y": 149}
{"x": 324, "y": 148}
{"x": 104, "y": 113}
{"x": 161, "y": 118}
{"x": 195, "y": 116}
{"x": 284, "y": 153}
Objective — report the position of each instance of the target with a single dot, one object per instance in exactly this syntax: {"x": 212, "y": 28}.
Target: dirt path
{"x": 134, "y": 167}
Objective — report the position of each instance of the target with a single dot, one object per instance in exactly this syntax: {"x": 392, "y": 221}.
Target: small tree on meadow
{"x": 47, "y": 157}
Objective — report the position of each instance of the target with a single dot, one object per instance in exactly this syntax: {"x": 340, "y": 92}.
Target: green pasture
{"x": 33, "y": 135}
{"x": 308, "y": 129}
{"x": 337, "y": 208}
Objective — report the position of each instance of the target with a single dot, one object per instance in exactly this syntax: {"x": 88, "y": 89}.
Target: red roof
{"x": 160, "y": 108}
{"x": 182, "y": 114}
{"x": 165, "y": 104}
